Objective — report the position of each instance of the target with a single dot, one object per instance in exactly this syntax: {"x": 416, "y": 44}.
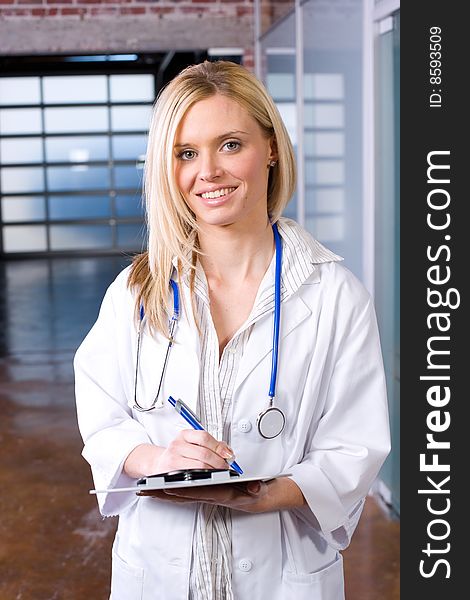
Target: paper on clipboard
{"x": 160, "y": 482}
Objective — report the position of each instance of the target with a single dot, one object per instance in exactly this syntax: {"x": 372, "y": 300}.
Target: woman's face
{"x": 221, "y": 163}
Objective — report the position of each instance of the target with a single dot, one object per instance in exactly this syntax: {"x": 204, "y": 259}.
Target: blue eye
{"x": 237, "y": 144}
{"x": 183, "y": 155}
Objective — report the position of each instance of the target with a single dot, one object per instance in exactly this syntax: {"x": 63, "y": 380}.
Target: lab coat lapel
{"x": 293, "y": 312}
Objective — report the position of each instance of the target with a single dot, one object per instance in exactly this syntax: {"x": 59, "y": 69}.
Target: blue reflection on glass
{"x": 128, "y": 177}
{"x": 131, "y": 147}
{"x": 131, "y": 236}
{"x": 101, "y": 58}
{"x": 80, "y": 177}
{"x": 129, "y": 206}
{"x": 79, "y": 207}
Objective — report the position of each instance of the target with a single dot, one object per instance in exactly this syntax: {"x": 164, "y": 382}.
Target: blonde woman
{"x": 219, "y": 172}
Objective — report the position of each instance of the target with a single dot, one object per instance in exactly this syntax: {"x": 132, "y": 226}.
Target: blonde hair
{"x": 172, "y": 227}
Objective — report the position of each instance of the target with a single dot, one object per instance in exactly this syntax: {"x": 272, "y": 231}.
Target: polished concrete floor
{"x": 53, "y": 543}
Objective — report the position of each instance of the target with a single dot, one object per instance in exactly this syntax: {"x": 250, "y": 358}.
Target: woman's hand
{"x": 190, "y": 449}
{"x": 247, "y": 497}
{"x": 254, "y": 496}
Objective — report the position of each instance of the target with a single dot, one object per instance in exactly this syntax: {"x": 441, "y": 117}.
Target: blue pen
{"x": 192, "y": 419}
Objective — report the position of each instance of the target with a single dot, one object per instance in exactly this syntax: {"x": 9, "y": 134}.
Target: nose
{"x": 210, "y": 167}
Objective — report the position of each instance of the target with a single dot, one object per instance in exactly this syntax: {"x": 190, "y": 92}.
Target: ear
{"x": 274, "y": 154}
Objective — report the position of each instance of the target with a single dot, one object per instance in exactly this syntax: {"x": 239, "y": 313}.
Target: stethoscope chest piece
{"x": 271, "y": 422}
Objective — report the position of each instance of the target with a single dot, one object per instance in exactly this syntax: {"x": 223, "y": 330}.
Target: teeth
{"x": 217, "y": 193}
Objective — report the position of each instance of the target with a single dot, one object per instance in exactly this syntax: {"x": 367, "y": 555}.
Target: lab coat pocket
{"x": 326, "y": 584}
{"x": 127, "y": 581}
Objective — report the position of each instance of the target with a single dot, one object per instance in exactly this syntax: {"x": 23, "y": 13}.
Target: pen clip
{"x": 180, "y": 404}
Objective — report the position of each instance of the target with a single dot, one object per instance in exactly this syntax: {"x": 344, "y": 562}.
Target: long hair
{"x": 172, "y": 226}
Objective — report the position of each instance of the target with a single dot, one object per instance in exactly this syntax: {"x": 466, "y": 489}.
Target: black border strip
{"x": 434, "y": 351}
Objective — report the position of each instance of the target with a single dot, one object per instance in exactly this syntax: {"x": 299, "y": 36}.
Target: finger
{"x": 195, "y": 492}
{"x": 220, "y": 494}
{"x": 203, "y": 448}
{"x": 161, "y": 495}
{"x": 200, "y": 457}
{"x": 253, "y": 488}
{"x": 256, "y": 488}
{"x": 205, "y": 439}
{"x": 181, "y": 461}
{"x": 184, "y": 496}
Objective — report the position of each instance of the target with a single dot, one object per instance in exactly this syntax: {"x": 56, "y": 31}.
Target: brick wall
{"x": 88, "y": 9}
{"x": 96, "y": 26}
{"x": 81, "y": 26}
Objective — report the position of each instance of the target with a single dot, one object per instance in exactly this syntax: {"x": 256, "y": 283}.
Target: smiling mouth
{"x": 217, "y": 193}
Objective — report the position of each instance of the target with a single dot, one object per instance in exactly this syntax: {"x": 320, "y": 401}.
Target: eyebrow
{"x": 218, "y": 138}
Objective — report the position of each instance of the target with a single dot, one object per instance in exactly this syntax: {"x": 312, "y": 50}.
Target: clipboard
{"x": 189, "y": 478}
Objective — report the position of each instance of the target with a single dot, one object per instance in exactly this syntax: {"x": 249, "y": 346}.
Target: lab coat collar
{"x": 294, "y": 311}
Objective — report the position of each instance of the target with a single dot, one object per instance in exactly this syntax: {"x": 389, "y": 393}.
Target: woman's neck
{"x": 233, "y": 255}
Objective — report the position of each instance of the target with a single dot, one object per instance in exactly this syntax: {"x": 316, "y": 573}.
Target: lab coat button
{"x": 244, "y": 425}
{"x": 245, "y": 564}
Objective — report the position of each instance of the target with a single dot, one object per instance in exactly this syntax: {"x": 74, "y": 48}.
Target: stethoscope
{"x": 271, "y": 421}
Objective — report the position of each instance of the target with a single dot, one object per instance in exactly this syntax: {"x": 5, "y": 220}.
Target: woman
{"x": 219, "y": 171}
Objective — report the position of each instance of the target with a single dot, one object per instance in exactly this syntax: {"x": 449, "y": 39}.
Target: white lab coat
{"x": 330, "y": 386}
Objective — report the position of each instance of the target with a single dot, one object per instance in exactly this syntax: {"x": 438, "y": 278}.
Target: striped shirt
{"x": 211, "y": 564}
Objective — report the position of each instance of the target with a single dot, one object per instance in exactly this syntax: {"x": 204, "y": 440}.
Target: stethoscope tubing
{"x": 173, "y": 323}
{"x": 277, "y": 314}
{"x": 176, "y": 315}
